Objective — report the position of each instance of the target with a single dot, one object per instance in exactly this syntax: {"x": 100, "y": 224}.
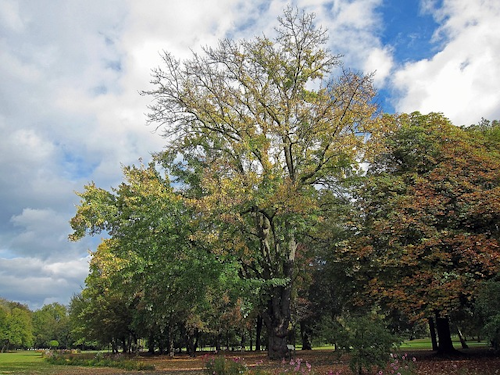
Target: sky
{"x": 70, "y": 110}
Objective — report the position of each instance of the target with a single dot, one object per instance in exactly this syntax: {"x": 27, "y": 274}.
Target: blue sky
{"x": 70, "y": 111}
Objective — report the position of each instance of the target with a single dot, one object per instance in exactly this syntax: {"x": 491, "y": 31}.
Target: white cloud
{"x": 42, "y": 233}
{"x": 462, "y": 79}
{"x": 379, "y": 61}
{"x": 10, "y": 16}
{"x": 36, "y": 282}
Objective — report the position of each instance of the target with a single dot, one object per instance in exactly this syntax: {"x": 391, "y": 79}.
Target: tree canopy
{"x": 430, "y": 208}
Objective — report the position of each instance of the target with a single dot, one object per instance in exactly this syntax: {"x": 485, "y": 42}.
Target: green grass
{"x": 426, "y": 344}
{"x": 421, "y": 344}
{"x": 24, "y": 362}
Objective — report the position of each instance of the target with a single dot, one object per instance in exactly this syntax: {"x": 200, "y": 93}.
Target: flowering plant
{"x": 401, "y": 365}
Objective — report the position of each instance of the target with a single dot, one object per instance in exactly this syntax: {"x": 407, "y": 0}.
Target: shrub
{"x": 368, "y": 341}
{"x": 54, "y": 344}
{"x": 99, "y": 360}
{"x": 224, "y": 366}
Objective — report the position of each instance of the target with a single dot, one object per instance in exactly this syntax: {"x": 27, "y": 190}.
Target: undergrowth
{"x": 99, "y": 360}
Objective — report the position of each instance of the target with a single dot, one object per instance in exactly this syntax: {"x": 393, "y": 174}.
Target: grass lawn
{"x": 24, "y": 362}
{"x": 427, "y": 345}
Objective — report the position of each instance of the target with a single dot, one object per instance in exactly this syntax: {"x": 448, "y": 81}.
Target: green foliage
{"x": 488, "y": 308}
{"x": 16, "y": 329}
{"x": 368, "y": 341}
{"x": 98, "y": 360}
{"x": 51, "y": 322}
{"x": 54, "y": 344}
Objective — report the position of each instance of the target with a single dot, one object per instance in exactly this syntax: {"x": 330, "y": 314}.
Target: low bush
{"x": 368, "y": 342}
{"x": 223, "y": 366}
{"x": 99, "y": 360}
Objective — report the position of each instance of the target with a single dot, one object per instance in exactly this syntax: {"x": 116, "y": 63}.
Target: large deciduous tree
{"x": 430, "y": 209}
{"x": 257, "y": 126}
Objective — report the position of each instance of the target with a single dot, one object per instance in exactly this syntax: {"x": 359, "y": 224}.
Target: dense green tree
{"x": 51, "y": 322}
{"x": 487, "y": 308}
{"x": 428, "y": 229}
{"x": 4, "y": 337}
{"x": 16, "y": 330}
{"x": 151, "y": 269}
{"x": 257, "y": 126}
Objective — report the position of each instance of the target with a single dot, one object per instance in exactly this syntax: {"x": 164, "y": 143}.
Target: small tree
{"x": 54, "y": 344}
{"x": 368, "y": 341}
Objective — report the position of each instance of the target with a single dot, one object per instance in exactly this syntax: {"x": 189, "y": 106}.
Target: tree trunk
{"x": 463, "y": 342}
{"x": 151, "y": 343}
{"x": 444, "y": 336}
{"x": 277, "y": 321}
{"x": 250, "y": 338}
{"x": 432, "y": 330}
{"x": 280, "y": 257}
{"x": 305, "y": 336}
{"x": 242, "y": 341}
{"x": 218, "y": 339}
{"x": 258, "y": 332}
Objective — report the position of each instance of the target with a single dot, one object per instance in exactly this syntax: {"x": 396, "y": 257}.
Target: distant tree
{"x": 16, "y": 329}
{"x": 51, "y": 322}
{"x": 256, "y": 127}
{"x": 429, "y": 213}
{"x": 487, "y": 308}
{"x": 4, "y": 335}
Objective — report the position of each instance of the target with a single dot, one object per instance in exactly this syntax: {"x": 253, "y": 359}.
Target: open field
{"x": 475, "y": 361}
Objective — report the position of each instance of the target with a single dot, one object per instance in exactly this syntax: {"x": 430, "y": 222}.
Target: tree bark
{"x": 277, "y": 321}
{"x": 250, "y": 338}
{"x": 444, "y": 336}
{"x": 463, "y": 342}
{"x": 432, "y": 330}
{"x": 258, "y": 332}
{"x": 217, "y": 342}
